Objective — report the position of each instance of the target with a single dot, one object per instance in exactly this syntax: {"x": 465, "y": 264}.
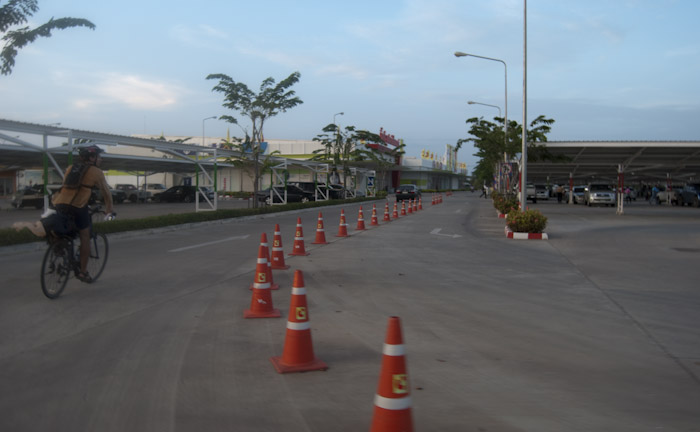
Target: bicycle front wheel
{"x": 55, "y": 270}
{"x": 99, "y": 251}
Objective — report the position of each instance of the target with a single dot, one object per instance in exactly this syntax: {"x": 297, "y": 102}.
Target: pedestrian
{"x": 628, "y": 195}
{"x": 560, "y": 194}
{"x": 484, "y": 192}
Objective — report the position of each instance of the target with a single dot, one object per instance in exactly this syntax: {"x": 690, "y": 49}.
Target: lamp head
{"x": 460, "y": 54}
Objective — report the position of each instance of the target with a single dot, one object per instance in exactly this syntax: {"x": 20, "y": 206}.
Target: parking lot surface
{"x": 596, "y": 329}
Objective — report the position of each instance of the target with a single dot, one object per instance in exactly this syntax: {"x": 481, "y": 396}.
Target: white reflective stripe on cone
{"x": 394, "y": 350}
{"x": 392, "y": 404}
{"x": 298, "y": 291}
{"x": 262, "y": 260}
{"x": 298, "y": 325}
{"x": 265, "y": 285}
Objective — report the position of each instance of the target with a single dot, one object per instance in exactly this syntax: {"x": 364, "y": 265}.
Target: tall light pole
{"x": 505, "y": 119}
{"x": 523, "y": 163}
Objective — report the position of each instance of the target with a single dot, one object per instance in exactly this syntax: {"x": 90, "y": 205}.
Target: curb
{"x": 525, "y": 236}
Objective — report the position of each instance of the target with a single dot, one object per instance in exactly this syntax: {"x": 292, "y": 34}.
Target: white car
{"x": 599, "y": 194}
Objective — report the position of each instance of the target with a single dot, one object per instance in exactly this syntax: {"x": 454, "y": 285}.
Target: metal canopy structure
{"x": 639, "y": 161}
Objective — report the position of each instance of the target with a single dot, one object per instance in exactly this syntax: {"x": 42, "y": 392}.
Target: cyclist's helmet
{"x": 90, "y": 151}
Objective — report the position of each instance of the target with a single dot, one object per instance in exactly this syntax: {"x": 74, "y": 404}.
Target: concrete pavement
{"x": 594, "y": 329}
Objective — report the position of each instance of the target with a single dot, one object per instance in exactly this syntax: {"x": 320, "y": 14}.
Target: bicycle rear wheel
{"x": 55, "y": 270}
{"x": 99, "y": 251}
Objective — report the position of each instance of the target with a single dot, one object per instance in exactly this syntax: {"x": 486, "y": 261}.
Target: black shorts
{"x": 81, "y": 215}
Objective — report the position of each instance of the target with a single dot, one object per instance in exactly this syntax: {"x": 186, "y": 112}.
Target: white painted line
{"x": 436, "y": 231}
{"x": 209, "y": 243}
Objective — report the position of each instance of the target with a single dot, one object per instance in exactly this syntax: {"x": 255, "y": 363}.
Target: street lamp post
{"x": 523, "y": 164}
{"x": 505, "y": 119}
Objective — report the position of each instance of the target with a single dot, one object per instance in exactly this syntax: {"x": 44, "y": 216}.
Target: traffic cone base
{"x": 274, "y": 313}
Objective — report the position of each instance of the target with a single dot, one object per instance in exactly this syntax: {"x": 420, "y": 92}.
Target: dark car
{"x": 185, "y": 194}
{"x": 690, "y": 195}
{"x": 118, "y": 196}
{"x": 294, "y": 194}
{"x": 334, "y": 191}
{"x": 406, "y": 192}
{"x": 30, "y": 196}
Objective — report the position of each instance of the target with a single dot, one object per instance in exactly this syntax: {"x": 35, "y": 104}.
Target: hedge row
{"x": 8, "y": 236}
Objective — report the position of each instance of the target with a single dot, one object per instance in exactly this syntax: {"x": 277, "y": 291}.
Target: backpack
{"x": 74, "y": 179}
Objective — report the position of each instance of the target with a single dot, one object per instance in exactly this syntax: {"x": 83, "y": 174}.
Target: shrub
{"x": 505, "y": 203}
{"x": 528, "y": 221}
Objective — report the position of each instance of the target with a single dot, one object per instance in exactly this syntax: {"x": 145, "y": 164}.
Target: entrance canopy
{"x": 641, "y": 161}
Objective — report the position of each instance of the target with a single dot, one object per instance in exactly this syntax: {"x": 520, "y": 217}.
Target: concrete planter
{"x": 525, "y": 236}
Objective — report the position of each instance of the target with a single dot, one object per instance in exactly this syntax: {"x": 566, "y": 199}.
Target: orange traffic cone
{"x": 360, "y": 220}
{"x": 263, "y": 244}
{"x": 392, "y": 403}
{"x": 298, "y": 352}
{"x": 420, "y": 203}
{"x": 320, "y": 232}
{"x": 415, "y": 205}
{"x": 387, "y": 218}
{"x": 433, "y": 200}
{"x": 343, "y": 228}
{"x": 299, "y": 240}
{"x": 261, "y": 302}
{"x": 395, "y": 213}
{"x": 277, "y": 251}
{"x": 410, "y": 206}
{"x": 374, "y": 221}
{"x": 403, "y": 208}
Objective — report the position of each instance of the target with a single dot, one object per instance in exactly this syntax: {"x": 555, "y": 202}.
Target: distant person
{"x": 484, "y": 192}
{"x": 560, "y": 194}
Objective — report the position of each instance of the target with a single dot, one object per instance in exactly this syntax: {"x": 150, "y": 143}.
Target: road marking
{"x": 209, "y": 243}
{"x": 436, "y": 231}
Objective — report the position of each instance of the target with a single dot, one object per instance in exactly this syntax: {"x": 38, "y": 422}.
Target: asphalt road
{"x": 596, "y": 329}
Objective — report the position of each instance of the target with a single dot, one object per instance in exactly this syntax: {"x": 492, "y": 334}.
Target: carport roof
{"x": 648, "y": 161}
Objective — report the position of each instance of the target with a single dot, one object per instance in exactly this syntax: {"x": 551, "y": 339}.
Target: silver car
{"x": 599, "y": 194}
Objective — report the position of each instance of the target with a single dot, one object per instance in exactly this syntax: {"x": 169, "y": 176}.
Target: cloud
{"x": 197, "y": 36}
{"x": 133, "y": 91}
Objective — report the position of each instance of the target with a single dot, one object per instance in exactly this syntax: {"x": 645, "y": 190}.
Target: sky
{"x": 602, "y": 69}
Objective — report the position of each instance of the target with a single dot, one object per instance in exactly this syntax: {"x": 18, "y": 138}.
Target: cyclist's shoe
{"x": 84, "y": 277}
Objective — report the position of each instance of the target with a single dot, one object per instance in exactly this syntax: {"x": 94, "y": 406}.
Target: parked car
{"x": 334, "y": 191}
{"x": 185, "y": 194}
{"x": 118, "y": 196}
{"x": 133, "y": 194}
{"x": 153, "y": 188}
{"x": 531, "y": 193}
{"x": 541, "y": 192}
{"x": 690, "y": 194}
{"x": 578, "y": 194}
{"x": 599, "y": 194}
{"x": 407, "y": 191}
{"x": 31, "y": 196}
{"x": 294, "y": 194}
{"x": 669, "y": 196}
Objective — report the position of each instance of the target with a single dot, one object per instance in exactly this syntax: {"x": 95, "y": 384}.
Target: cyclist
{"x": 74, "y": 201}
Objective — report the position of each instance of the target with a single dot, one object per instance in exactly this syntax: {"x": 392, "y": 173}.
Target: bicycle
{"x": 62, "y": 258}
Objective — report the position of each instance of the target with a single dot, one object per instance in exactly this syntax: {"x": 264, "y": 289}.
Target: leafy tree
{"x": 248, "y": 161}
{"x": 342, "y": 147}
{"x": 272, "y": 99}
{"x": 490, "y": 144}
{"x": 17, "y": 12}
